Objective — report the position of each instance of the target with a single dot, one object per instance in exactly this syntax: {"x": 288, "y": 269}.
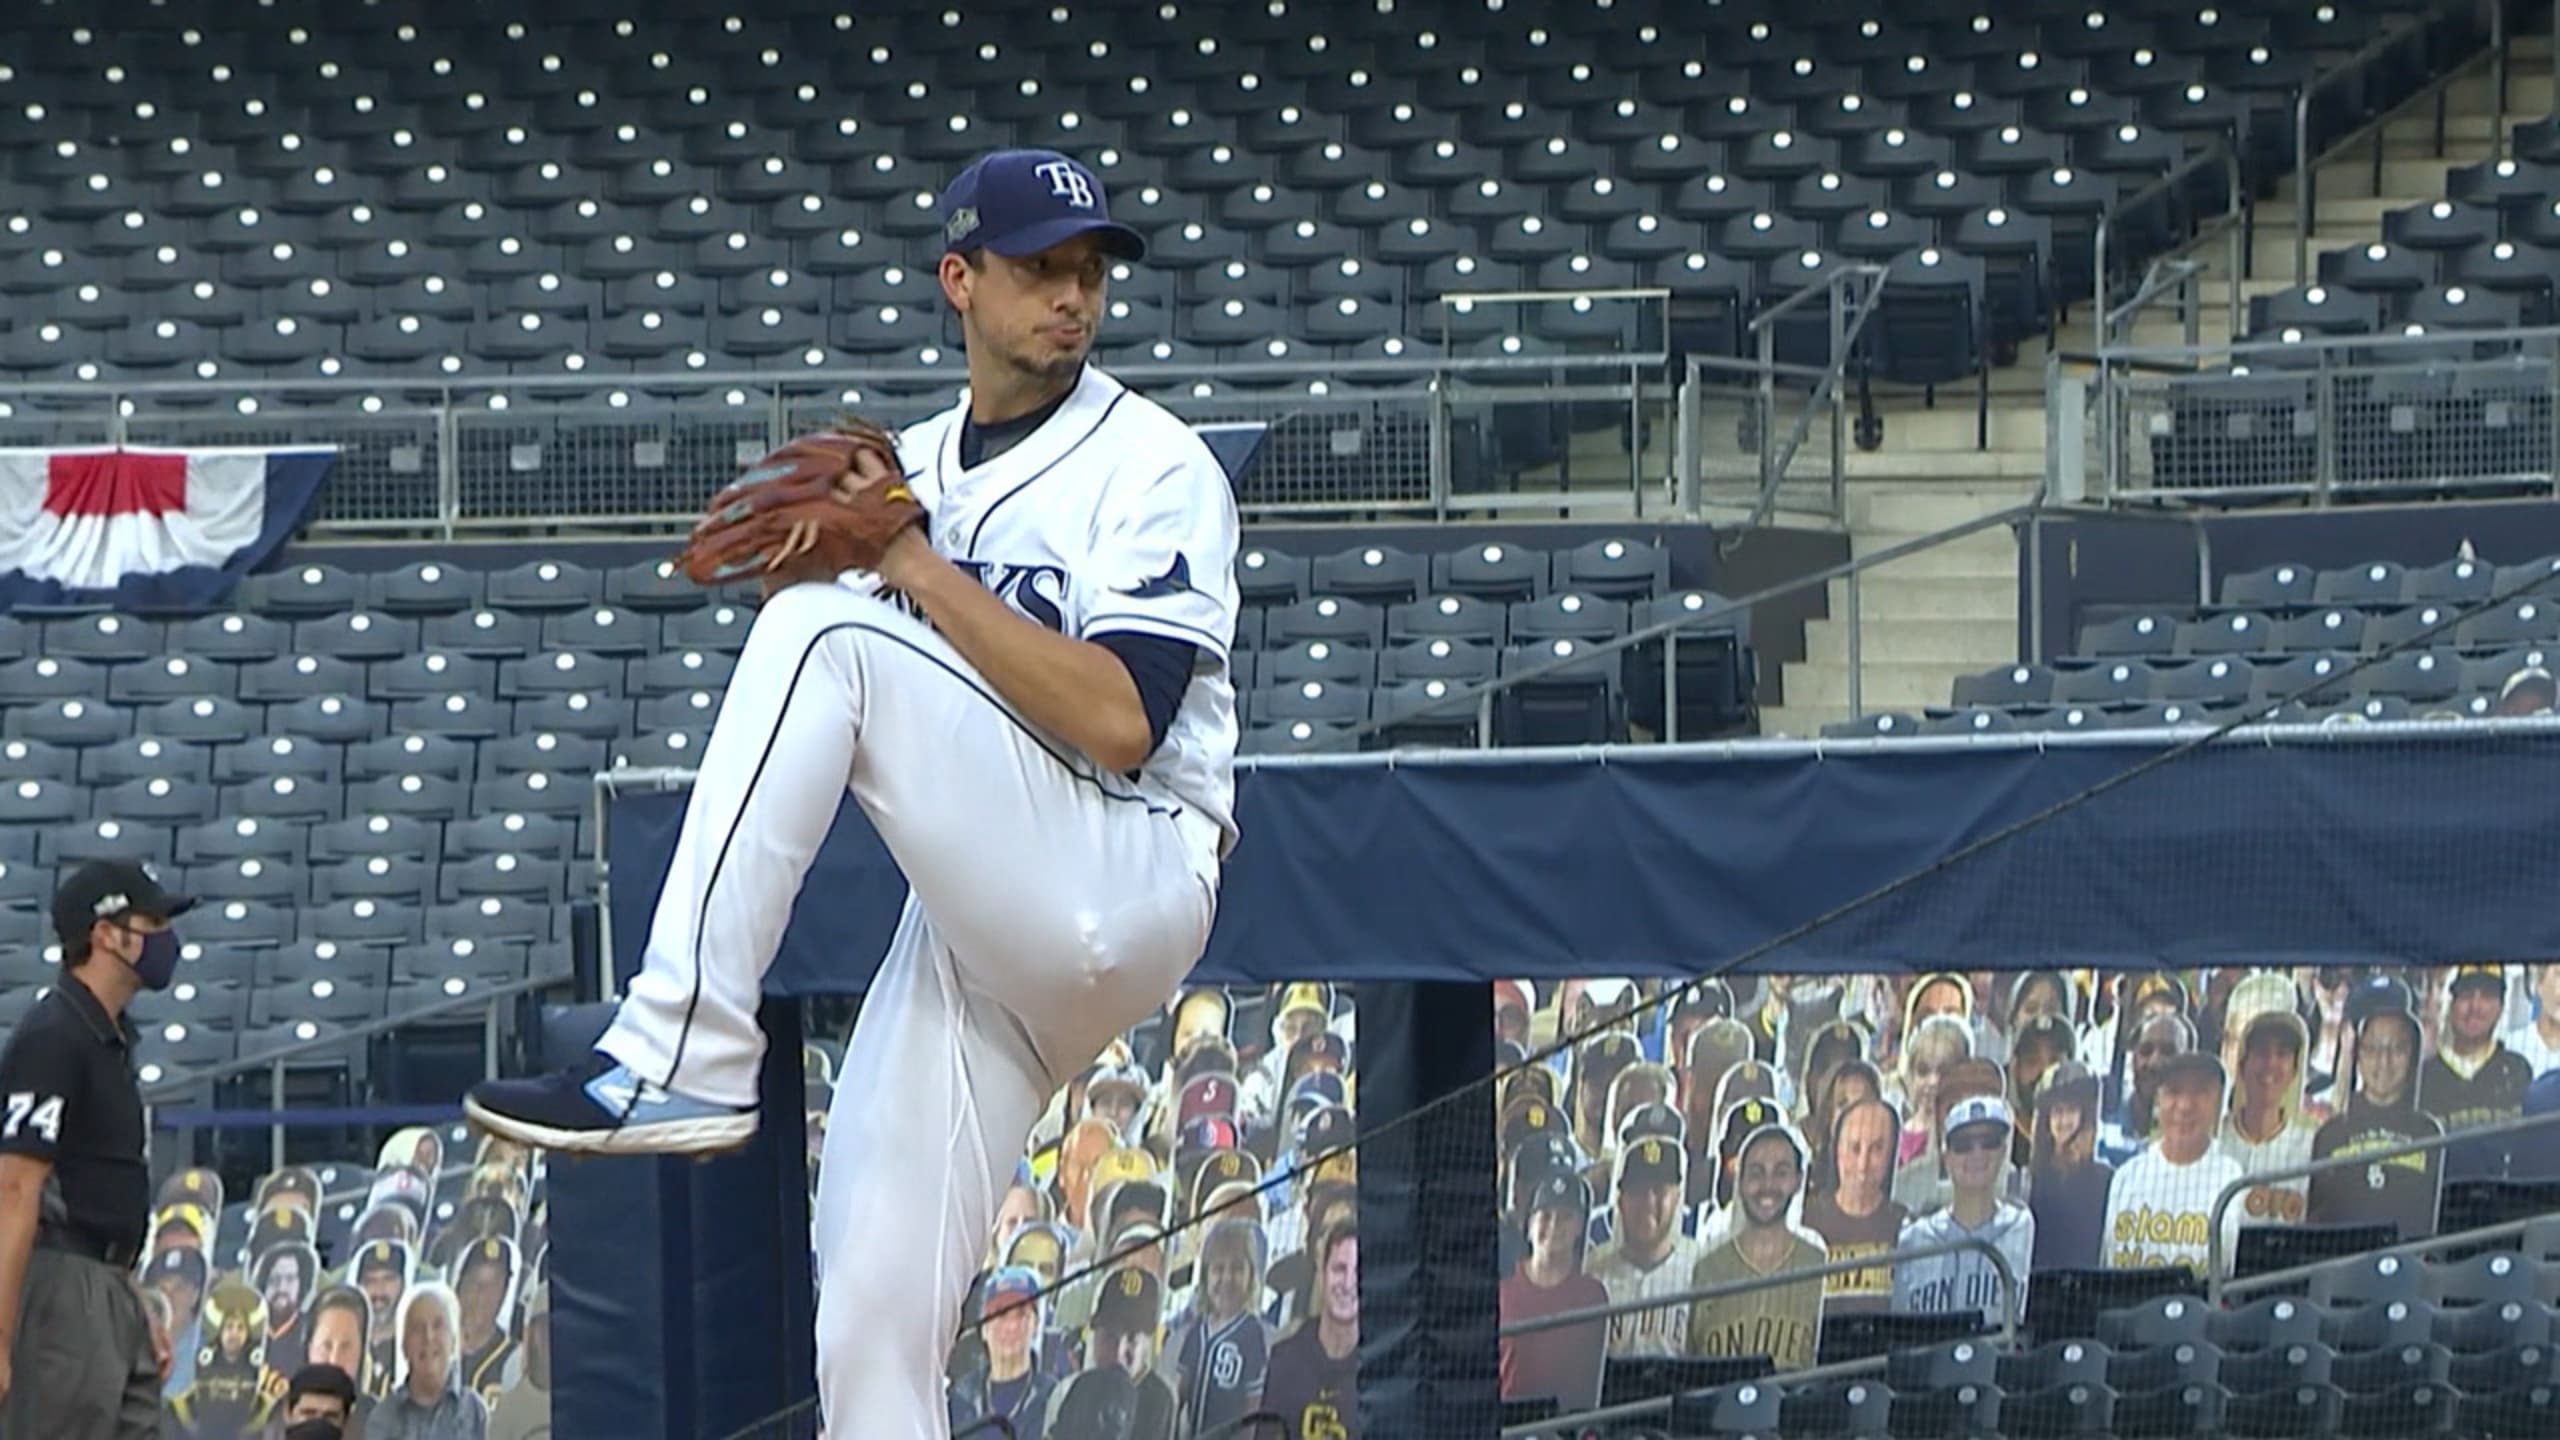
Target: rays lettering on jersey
{"x": 1037, "y": 592}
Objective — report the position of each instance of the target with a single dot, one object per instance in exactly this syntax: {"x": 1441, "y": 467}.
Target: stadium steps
{"x": 1935, "y": 443}
{"x": 1925, "y": 619}
{"x": 1953, "y": 610}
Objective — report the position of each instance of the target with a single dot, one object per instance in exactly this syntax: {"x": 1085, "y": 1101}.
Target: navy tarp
{"x": 2411, "y": 843}
{"x": 1416, "y": 879}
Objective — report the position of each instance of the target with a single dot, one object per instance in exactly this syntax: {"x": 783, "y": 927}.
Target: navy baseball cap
{"x": 111, "y": 890}
{"x": 1021, "y": 202}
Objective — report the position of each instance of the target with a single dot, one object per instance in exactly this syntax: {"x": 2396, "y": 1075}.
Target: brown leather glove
{"x": 823, "y": 504}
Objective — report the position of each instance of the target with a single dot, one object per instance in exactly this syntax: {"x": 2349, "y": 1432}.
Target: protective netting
{"x": 1781, "y": 1193}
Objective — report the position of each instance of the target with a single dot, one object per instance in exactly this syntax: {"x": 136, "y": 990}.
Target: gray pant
{"x": 83, "y": 1368}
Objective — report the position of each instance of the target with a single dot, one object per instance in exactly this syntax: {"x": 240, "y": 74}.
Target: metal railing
{"x": 637, "y": 454}
{"x": 2217, "y": 1263}
{"x": 1775, "y": 409}
{"x": 1707, "y": 618}
{"x": 2012, "y": 1310}
{"x": 276, "y": 1059}
{"x": 2357, "y": 67}
{"x": 2315, "y": 419}
{"x": 2115, "y": 319}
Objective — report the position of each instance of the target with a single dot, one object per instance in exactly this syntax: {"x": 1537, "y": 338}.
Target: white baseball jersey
{"x": 1663, "y": 1330}
{"x": 2160, "y": 1214}
{"x": 1112, "y": 516}
{"x": 2279, "y": 1202}
{"x": 1051, "y": 906}
{"x": 1964, "y": 1279}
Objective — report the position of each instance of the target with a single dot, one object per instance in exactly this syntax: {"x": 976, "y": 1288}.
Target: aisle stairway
{"x": 1953, "y": 610}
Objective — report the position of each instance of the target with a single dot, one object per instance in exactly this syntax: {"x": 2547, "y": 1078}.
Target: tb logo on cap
{"x": 1066, "y": 182}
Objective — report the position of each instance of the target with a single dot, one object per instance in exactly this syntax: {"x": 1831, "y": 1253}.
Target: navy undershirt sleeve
{"x": 1162, "y": 670}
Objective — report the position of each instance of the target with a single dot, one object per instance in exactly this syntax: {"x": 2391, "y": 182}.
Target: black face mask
{"x": 314, "y": 1430}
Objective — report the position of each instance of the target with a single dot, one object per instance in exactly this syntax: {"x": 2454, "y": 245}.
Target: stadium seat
{"x": 487, "y": 634}
{"x": 2378, "y": 1324}
{"x": 357, "y": 636}
{"x": 108, "y": 839}
{"x": 2273, "y": 588}
{"x": 530, "y": 751}
{"x": 239, "y": 838}
{"x": 1324, "y": 618}
{"x": 74, "y": 723}
{"x": 2117, "y": 683}
{"x": 377, "y": 877}
{"x": 2273, "y": 1323}
{"x": 1499, "y": 574}
{"x": 304, "y": 590}
{"x": 1376, "y": 575}
{"x": 363, "y": 836}
{"x": 717, "y": 628}
{"x": 37, "y": 760}
{"x": 425, "y": 587}
{"x": 509, "y": 834}
{"x": 2272, "y": 1367}
{"x": 2138, "y": 636}
{"x": 582, "y": 716}
{"x": 395, "y": 755}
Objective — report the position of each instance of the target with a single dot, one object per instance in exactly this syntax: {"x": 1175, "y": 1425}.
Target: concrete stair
{"x": 1952, "y": 610}
{"x": 1922, "y": 620}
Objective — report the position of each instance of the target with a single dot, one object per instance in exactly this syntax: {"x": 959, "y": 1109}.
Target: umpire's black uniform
{"x": 83, "y": 1366}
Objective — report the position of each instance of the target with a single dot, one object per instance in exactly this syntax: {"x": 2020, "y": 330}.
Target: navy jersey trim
{"x": 979, "y": 530}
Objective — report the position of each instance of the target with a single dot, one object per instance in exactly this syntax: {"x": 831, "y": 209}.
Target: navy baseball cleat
{"x": 601, "y": 1108}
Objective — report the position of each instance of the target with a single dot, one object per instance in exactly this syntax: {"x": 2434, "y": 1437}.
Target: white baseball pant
{"x": 1049, "y": 909}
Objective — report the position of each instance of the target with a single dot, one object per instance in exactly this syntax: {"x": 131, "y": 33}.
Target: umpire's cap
{"x": 1021, "y": 202}
{"x": 111, "y": 890}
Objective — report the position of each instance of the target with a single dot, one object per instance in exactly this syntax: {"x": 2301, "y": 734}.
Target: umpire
{"x": 78, "y": 1358}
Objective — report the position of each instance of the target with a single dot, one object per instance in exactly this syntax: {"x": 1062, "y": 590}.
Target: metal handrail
{"x": 2163, "y": 277}
{"x": 1829, "y": 282}
{"x": 2216, "y": 1261}
{"x": 1526, "y": 297}
{"x": 174, "y": 1086}
{"x": 2221, "y": 152}
{"x": 2305, "y": 183}
{"x": 1867, "y": 279}
{"x": 1481, "y": 694}
{"x": 2478, "y": 1235}
{"x": 2242, "y": 350}
{"x": 1421, "y": 368}
{"x": 2012, "y": 1308}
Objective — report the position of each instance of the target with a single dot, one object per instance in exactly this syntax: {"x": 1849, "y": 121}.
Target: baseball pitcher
{"x": 1009, "y": 640}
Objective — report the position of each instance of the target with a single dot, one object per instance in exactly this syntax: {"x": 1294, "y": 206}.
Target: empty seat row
{"x": 2287, "y": 588}
{"x": 68, "y": 657}
{"x": 2474, "y": 627}
{"x": 461, "y": 760}
{"x": 233, "y": 969}
{"x": 2315, "y": 678}
{"x": 348, "y": 922}
{"x": 333, "y": 718}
